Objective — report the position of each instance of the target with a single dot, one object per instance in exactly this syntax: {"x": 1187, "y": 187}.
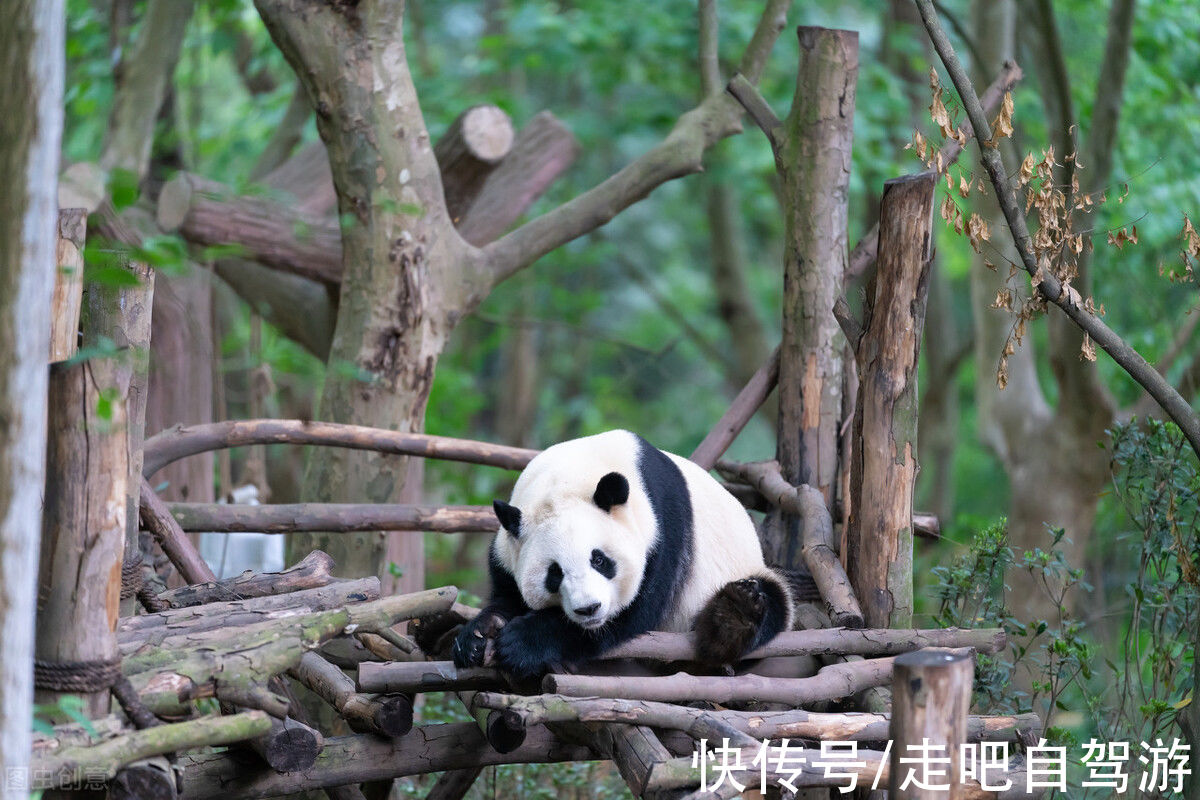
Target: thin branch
{"x": 333, "y": 517}
{"x": 743, "y": 407}
{"x": 680, "y": 153}
{"x": 707, "y": 45}
{"x": 863, "y": 254}
{"x": 1050, "y": 288}
{"x": 757, "y": 107}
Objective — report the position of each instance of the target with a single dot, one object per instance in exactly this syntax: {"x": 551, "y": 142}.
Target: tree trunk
{"x": 814, "y": 158}
{"x": 884, "y": 469}
{"x": 31, "y": 53}
{"x": 181, "y": 375}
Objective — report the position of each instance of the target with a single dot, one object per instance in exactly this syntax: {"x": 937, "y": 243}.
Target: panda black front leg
{"x": 543, "y": 641}
{"x": 742, "y": 616}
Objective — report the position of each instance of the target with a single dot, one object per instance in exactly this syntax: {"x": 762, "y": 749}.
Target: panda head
{"x": 578, "y": 544}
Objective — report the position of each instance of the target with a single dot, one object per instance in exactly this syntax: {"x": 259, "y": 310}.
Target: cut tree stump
{"x": 931, "y": 695}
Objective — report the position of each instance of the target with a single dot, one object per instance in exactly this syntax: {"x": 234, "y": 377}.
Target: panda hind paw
{"x": 729, "y": 624}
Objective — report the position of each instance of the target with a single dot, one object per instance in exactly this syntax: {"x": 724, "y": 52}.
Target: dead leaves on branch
{"x": 1058, "y": 234}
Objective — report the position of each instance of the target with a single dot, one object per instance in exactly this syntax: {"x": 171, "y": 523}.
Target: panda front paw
{"x": 526, "y": 648}
{"x": 471, "y": 645}
{"x": 729, "y": 624}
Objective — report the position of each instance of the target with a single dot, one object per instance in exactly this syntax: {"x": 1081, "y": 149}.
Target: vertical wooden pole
{"x": 122, "y": 316}
{"x": 68, "y": 284}
{"x": 813, "y": 158}
{"x": 83, "y": 526}
{"x": 931, "y": 695}
{"x": 884, "y": 465}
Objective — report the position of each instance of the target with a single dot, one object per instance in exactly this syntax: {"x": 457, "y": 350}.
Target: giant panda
{"x": 605, "y": 538}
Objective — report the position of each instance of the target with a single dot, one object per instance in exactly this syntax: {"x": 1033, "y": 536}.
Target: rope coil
{"x": 84, "y": 677}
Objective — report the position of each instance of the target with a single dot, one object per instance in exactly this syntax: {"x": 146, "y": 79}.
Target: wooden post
{"x": 83, "y": 530}
{"x": 931, "y": 695}
{"x": 884, "y": 467}
{"x": 68, "y": 284}
{"x": 122, "y": 316}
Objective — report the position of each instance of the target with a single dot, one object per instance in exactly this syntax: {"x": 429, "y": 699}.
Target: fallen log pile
{"x": 205, "y": 651}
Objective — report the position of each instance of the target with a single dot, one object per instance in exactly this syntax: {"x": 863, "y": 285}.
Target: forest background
{"x": 655, "y": 320}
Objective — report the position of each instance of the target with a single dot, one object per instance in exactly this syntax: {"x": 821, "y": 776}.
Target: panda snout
{"x": 588, "y": 610}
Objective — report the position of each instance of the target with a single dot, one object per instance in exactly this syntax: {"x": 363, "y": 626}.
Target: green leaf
{"x": 123, "y": 188}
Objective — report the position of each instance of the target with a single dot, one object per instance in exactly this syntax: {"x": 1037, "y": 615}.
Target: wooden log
{"x": 386, "y": 715}
{"x": 187, "y": 666}
{"x": 151, "y": 779}
{"x": 171, "y": 538}
{"x": 526, "y": 712}
{"x": 413, "y": 677}
{"x": 816, "y": 530}
{"x": 863, "y": 254}
{"x": 740, "y": 412}
{"x": 73, "y": 762}
{"x": 180, "y": 442}
{"x": 542, "y": 151}
{"x": 311, "y": 572}
{"x": 364, "y": 758}
{"x": 290, "y": 746}
{"x": 208, "y": 213}
{"x": 68, "y": 283}
{"x": 663, "y": 646}
{"x": 134, "y": 633}
{"x": 122, "y": 315}
{"x": 830, "y": 683}
{"x": 879, "y": 557}
{"x": 307, "y": 180}
{"x": 83, "y": 522}
{"x": 336, "y": 517}
{"x": 484, "y": 196}
{"x": 469, "y": 151}
{"x": 931, "y": 695}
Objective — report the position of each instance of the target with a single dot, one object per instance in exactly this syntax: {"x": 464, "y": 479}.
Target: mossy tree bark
{"x": 31, "y": 58}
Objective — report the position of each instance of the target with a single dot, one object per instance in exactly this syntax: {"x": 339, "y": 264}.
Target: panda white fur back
{"x": 606, "y": 537}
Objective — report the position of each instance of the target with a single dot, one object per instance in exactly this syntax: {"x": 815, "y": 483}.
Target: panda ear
{"x": 612, "y": 490}
{"x": 510, "y": 517}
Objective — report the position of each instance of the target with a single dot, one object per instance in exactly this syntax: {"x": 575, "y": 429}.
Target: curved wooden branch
{"x": 179, "y": 442}
{"x": 830, "y": 683}
{"x": 311, "y": 572}
{"x": 680, "y": 153}
{"x": 798, "y": 724}
{"x": 1051, "y": 288}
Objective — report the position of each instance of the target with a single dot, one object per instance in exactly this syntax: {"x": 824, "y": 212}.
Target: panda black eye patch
{"x": 554, "y": 577}
{"x": 603, "y": 564}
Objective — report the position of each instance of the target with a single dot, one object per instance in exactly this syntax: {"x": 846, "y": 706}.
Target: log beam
{"x": 336, "y": 517}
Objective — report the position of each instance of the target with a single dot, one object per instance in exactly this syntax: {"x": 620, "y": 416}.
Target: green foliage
{"x": 1053, "y": 653}
{"x": 67, "y": 708}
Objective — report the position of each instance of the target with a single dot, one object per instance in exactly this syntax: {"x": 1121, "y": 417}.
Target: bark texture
{"x": 931, "y": 695}
{"x": 813, "y": 157}
{"x": 83, "y": 538}
{"x": 884, "y": 467}
{"x": 68, "y": 284}
{"x": 31, "y": 58}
